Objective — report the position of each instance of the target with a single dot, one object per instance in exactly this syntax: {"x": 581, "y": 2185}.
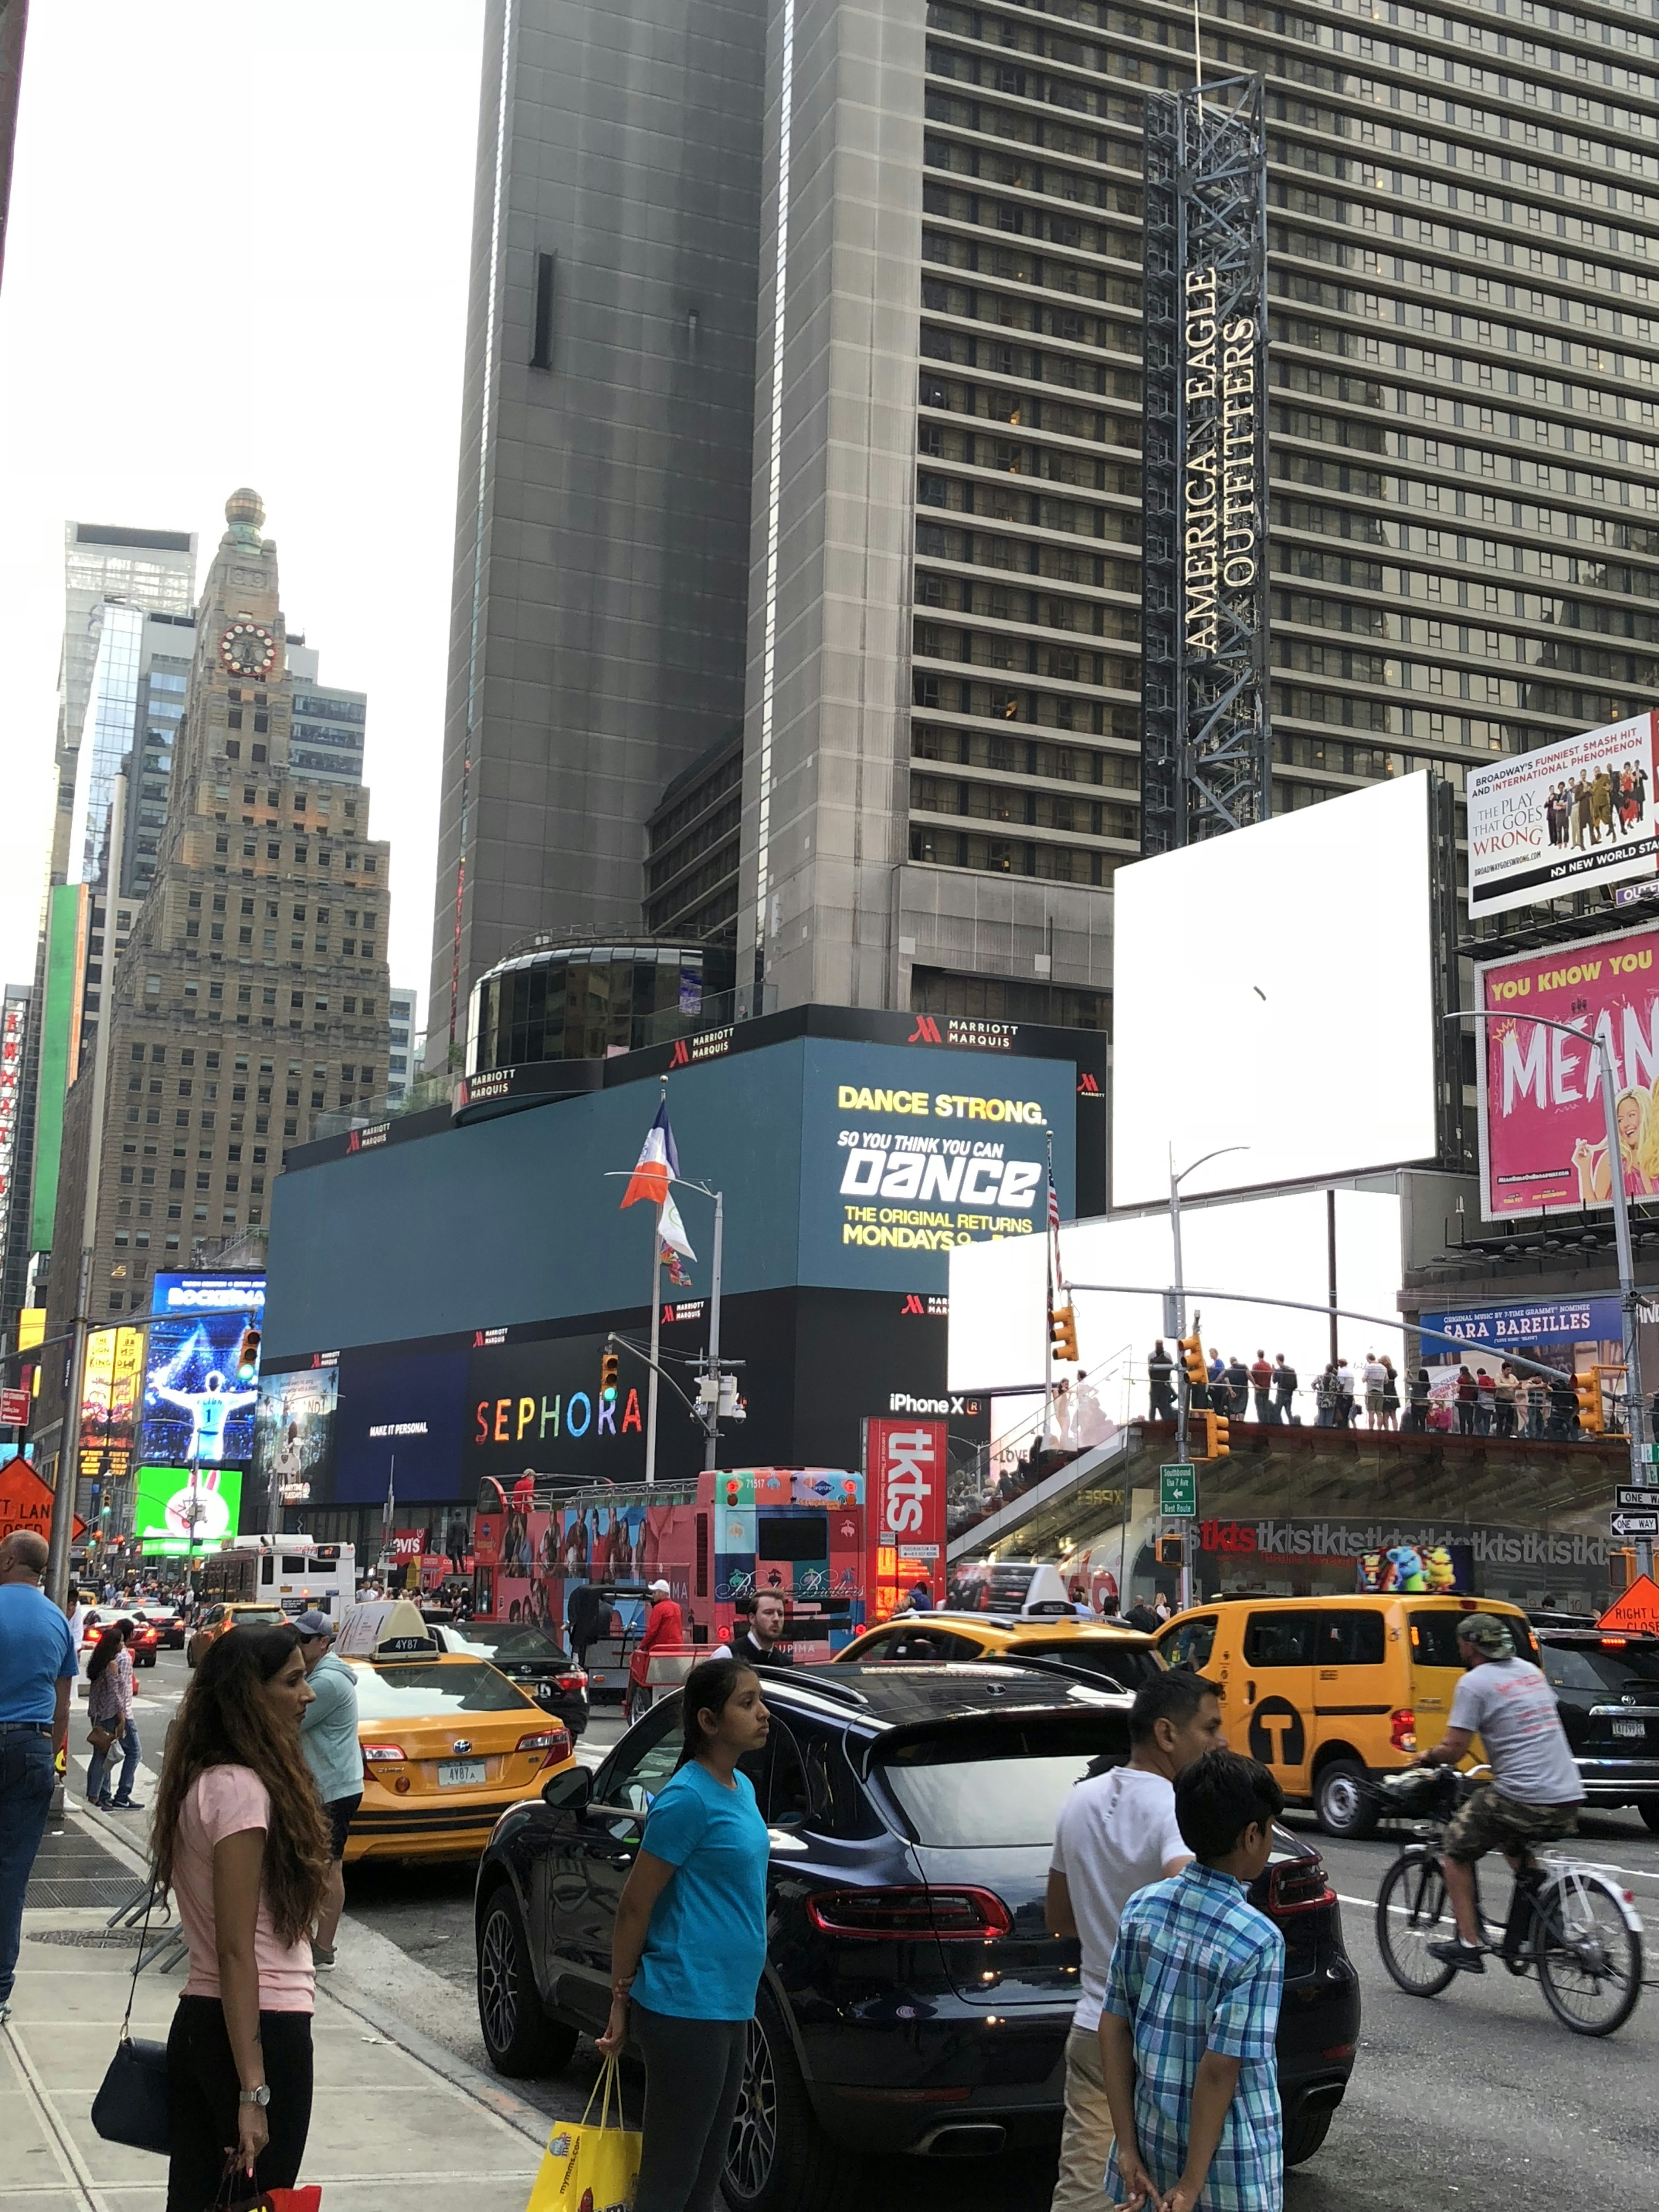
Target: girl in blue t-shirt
{"x": 690, "y": 1942}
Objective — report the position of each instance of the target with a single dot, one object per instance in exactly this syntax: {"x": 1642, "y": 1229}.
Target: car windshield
{"x": 410, "y": 1691}
{"x": 998, "y": 1785}
{"x": 1597, "y": 1667}
{"x": 257, "y": 1616}
{"x": 513, "y": 1645}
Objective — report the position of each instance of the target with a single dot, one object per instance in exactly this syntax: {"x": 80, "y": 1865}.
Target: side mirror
{"x": 569, "y": 1791}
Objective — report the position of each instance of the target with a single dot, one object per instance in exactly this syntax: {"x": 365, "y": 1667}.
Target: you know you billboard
{"x": 1543, "y": 1122}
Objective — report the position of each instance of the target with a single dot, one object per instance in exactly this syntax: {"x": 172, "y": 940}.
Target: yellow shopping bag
{"x": 587, "y": 2167}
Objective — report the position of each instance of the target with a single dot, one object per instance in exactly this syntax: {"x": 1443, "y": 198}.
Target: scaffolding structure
{"x": 1206, "y": 740}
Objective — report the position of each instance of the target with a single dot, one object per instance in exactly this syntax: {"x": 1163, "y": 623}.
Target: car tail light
{"x": 1402, "y": 1728}
{"x": 379, "y": 1754}
{"x": 556, "y": 1742}
{"x": 573, "y": 1681}
{"x": 1299, "y": 1886}
{"x": 1614, "y": 1643}
{"x": 953, "y": 1915}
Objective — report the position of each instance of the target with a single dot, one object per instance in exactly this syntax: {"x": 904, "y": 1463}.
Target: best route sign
{"x": 1177, "y": 1488}
{"x": 1635, "y": 1524}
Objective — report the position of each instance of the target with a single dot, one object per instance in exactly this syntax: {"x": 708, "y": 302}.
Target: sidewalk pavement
{"x": 395, "y": 2110}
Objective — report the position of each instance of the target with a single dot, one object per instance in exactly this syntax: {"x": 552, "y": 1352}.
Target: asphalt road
{"x": 1475, "y": 2101}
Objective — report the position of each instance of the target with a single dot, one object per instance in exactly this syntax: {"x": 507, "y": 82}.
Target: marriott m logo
{"x": 925, "y": 1032}
{"x": 681, "y": 1056}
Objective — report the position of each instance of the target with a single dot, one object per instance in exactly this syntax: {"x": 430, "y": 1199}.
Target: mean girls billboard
{"x": 1543, "y": 1130}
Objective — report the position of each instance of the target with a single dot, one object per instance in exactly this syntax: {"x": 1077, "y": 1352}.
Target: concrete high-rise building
{"x": 401, "y": 1035}
{"x": 252, "y": 993}
{"x": 941, "y": 640}
{"x": 602, "y": 540}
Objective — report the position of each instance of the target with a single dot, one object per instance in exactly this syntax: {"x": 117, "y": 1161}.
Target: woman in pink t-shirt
{"x": 240, "y": 1837}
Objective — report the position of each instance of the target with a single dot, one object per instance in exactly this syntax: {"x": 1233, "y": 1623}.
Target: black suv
{"x": 1608, "y": 1688}
{"x": 913, "y": 2000}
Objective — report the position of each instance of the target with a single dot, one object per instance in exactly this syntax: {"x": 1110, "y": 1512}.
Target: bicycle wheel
{"x": 1413, "y": 1911}
{"x": 1589, "y": 1957}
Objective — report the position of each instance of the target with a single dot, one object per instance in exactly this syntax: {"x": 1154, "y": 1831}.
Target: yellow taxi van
{"x": 1329, "y": 1691}
{"x": 448, "y": 1742}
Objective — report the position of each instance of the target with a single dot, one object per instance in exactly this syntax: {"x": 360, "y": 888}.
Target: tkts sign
{"x": 904, "y": 1471}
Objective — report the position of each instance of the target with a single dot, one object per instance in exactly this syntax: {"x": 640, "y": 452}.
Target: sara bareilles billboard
{"x": 1543, "y": 1134}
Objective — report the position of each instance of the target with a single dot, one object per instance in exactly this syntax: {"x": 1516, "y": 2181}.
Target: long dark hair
{"x": 224, "y": 1721}
{"x": 708, "y": 1689}
{"x": 109, "y": 1644}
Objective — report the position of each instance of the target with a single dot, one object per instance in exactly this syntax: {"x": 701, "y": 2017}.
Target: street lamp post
{"x": 1635, "y": 1406}
{"x": 1183, "y": 1392}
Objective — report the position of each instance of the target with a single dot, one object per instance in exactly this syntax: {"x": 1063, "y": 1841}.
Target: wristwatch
{"x": 260, "y": 2096}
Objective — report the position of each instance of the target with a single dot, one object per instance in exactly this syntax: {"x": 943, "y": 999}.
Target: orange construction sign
{"x": 26, "y": 1502}
{"x": 1637, "y": 1611}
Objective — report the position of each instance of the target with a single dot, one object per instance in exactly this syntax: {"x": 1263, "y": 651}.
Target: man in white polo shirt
{"x": 1116, "y": 1834}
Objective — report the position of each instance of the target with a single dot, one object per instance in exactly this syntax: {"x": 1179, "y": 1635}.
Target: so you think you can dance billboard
{"x": 1543, "y": 1123}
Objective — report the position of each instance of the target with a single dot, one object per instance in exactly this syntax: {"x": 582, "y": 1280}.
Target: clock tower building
{"x": 251, "y": 993}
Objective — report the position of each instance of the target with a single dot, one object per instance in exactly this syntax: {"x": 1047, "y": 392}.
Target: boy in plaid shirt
{"x": 1191, "y": 2011}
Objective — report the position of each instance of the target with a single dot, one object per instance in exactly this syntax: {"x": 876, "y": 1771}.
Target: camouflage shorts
{"x": 1490, "y": 1821}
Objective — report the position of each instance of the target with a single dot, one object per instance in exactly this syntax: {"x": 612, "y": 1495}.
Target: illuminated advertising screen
{"x": 190, "y": 1294}
{"x": 1280, "y": 945}
{"x": 1543, "y": 1130}
{"x": 906, "y": 1155}
{"x": 179, "y": 1510}
{"x": 111, "y": 1387}
{"x": 401, "y": 1416}
{"x": 196, "y": 1406}
{"x": 1565, "y": 818}
{"x": 294, "y": 1436}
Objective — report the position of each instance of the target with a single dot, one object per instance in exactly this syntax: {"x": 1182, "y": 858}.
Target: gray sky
{"x": 239, "y": 256}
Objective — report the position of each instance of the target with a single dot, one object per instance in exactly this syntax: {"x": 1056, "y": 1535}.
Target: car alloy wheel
{"x": 754, "y": 2145}
{"x": 498, "y": 1979}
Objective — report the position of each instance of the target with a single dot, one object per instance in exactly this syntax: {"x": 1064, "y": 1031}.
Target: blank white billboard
{"x": 1274, "y": 988}
{"x": 1255, "y": 1249}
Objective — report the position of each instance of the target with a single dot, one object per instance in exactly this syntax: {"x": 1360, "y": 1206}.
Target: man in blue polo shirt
{"x": 37, "y": 1665}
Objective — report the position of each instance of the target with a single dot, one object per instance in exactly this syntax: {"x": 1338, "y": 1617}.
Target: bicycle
{"x": 1579, "y": 1930}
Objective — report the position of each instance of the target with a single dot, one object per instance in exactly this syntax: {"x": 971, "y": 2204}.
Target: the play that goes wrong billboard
{"x": 1543, "y": 1131}
{"x": 1546, "y": 823}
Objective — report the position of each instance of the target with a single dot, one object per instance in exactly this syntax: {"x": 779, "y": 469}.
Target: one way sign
{"x": 1635, "y": 1524}
{"x": 1636, "y": 1498}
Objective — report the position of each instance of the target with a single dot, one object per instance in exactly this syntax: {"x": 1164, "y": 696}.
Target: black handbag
{"x": 132, "y": 2104}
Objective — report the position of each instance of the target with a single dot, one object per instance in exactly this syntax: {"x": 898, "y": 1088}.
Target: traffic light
{"x": 1587, "y": 1388}
{"x": 248, "y": 1356}
{"x": 1191, "y": 1361}
{"x": 1213, "y": 1430}
{"x": 1063, "y": 1330}
{"x": 609, "y": 1368}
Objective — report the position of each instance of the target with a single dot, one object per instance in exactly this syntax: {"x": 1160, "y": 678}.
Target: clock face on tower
{"x": 248, "y": 650}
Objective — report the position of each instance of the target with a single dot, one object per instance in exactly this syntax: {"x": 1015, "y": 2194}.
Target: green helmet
{"x": 1487, "y": 1633}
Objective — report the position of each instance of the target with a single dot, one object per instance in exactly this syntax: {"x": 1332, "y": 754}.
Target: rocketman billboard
{"x": 1543, "y": 1131}
{"x": 1565, "y": 818}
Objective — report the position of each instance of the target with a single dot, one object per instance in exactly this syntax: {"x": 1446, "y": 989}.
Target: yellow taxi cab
{"x": 1121, "y": 1656}
{"x": 448, "y": 1742}
{"x": 1330, "y": 1690}
{"x": 216, "y": 1620}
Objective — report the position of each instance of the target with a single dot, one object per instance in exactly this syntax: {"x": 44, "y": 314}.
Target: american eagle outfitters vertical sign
{"x": 1206, "y": 744}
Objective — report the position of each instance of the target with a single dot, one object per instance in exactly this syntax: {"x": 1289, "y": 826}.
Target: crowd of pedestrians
{"x": 1497, "y": 1401}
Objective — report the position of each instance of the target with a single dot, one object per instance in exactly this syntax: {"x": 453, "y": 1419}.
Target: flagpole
{"x": 651, "y": 1387}
{"x": 1049, "y": 1332}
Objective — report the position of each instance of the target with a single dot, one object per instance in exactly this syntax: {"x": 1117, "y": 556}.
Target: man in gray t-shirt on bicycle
{"x": 1535, "y": 1791}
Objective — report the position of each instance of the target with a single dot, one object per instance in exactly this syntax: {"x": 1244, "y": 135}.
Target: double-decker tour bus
{"x": 797, "y": 1531}
{"x": 295, "y": 1573}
